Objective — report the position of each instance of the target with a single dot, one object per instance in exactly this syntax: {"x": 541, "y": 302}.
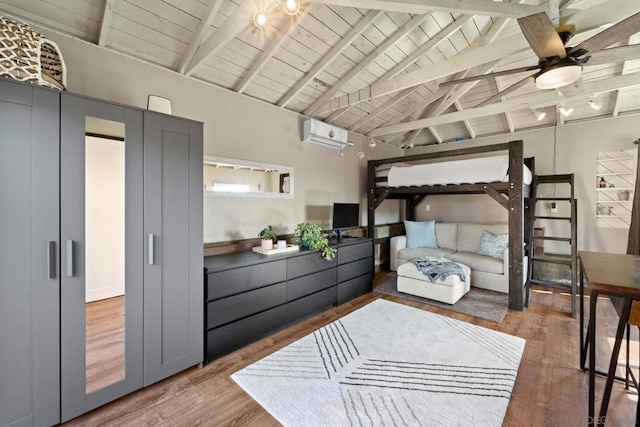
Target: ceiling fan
{"x": 560, "y": 65}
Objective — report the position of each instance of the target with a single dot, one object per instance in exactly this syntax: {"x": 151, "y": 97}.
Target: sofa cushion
{"x": 408, "y": 253}
{"x": 421, "y": 234}
{"x": 493, "y": 245}
{"x": 447, "y": 234}
{"x": 469, "y": 235}
{"x": 478, "y": 262}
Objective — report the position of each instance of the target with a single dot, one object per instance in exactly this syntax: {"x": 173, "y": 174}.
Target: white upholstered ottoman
{"x": 412, "y": 281}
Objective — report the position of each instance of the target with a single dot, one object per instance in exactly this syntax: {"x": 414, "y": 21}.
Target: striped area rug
{"x": 389, "y": 364}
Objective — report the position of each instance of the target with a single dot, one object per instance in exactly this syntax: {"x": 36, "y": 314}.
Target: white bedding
{"x": 467, "y": 171}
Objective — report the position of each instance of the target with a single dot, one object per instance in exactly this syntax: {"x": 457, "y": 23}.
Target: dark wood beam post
{"x": 371, "y": 199}
{"x": 516, "y": 225}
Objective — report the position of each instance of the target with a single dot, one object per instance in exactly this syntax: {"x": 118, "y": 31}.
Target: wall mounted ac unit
{"x": 326, "y": 135}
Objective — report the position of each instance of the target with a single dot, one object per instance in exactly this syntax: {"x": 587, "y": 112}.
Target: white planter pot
{"x": 266, "y": 244}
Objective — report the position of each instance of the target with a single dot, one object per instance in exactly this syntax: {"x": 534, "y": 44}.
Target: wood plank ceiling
{"x": 370, "y": 66}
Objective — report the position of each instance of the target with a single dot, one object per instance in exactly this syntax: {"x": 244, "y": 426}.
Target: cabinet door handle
{"x": 70, "y": 265}
{"x": 150, "y": 249}
{"x": 51, "y": 259}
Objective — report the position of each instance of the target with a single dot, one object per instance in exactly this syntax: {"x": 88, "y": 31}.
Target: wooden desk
{"x": 613, "y": 275}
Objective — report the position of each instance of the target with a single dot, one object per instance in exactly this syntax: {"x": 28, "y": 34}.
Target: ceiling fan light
{"x": 259, "y": 19}
{"x": 539, "y": 114}
{"x": 595, "y": 104}
{"x": 565, "y": 111}
{"x": 561, "y": 73}
{"x": 291, "y": 7}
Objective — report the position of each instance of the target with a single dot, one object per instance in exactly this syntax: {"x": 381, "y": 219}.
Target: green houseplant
{"x": 312, "y": 237}
{"x": 268, "y": 236}
{"x": 624, "y": 195}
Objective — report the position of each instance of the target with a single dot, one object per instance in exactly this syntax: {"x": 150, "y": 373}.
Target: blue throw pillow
{"x": 493, "y": 245}
{"x": 421, "y": 234}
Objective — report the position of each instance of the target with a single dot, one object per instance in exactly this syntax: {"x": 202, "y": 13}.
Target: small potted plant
{"x": 268, "y": 236}
{"x": 312, "y": 237}
{"x": 623, "y": 194}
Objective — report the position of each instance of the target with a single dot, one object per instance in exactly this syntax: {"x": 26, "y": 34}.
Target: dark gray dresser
{"x": 249, "y": 296}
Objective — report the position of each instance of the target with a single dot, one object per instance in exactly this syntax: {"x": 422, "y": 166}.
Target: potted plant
{"x": 312, "y": 237}
{"x": 624, "y": 195}
{"x": 268, "y": 236}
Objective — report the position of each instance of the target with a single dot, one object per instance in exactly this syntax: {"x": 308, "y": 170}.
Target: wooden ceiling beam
{"x": 471, "y": 7}
{"x": 460, "y": 62}
{"x": 336, "y": 50}
{"x": 409, "y": 26}
{"x": 454, "y": 94}
{"x": 202, "y": 27}
{"x": 442, "y": 35}
{"x": 601, "y": 14}
{"x": 105, "y": 24}
{"x": 482, "y": 55}
{"x": 554, "y": 12}
{"x": 618, "y": 94}
{"x": 232, "y": 26}
{"x": 381, "y": 109}
{"x": 443, "y": 98}
{"x": 269, "y": 51}
{"x": 431, "y": 130}
{"x": 507, "y": 114}
{"x": 534, "y": 100}
{"x": 466, "y": 123}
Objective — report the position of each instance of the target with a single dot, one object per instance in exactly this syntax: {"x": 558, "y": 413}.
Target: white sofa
{"x": 459, "y": 242}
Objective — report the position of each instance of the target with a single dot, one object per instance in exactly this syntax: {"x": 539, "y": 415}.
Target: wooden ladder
{"x": 564, "y": 204}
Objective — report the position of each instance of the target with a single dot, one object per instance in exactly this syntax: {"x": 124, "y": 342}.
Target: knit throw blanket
{"x": 438, "y": 270}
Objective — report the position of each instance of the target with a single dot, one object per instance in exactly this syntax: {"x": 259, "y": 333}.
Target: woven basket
{"x": 27, "y": 56}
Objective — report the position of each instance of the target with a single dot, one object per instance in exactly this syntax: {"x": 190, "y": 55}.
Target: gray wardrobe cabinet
{"x": 42, "y": 251}
{"x": 29, "y": 255}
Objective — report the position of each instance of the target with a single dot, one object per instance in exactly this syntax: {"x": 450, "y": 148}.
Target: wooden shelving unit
{"x": 618, "y": 171}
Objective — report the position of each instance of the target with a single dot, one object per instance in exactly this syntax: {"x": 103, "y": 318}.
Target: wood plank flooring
{"x": 550, "y": 389}
{"x": 104, "y": 342}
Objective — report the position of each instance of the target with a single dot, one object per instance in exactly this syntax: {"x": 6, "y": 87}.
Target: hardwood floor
{"x": 550, "y": 389}
{"x": 105, "y": 342}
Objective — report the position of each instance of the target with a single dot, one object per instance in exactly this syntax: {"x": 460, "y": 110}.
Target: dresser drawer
{"x": 237, "y": 334}
{"x": 355, "y": 269}
{"x": 306, "y": 285}
{"x": 354, "y": 252}
{"x": 235, "y": 281}
{"x": 311, "y": 304}
{"x": 306, "y": 264}
{"x": 228, "y": 309}
{"x": 354, "y": 288}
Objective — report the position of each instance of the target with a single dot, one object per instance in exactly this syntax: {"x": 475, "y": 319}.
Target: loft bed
{"x": 509, "y": 190}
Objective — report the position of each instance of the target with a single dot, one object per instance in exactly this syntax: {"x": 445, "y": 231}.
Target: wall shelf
{"x": 616, "y": 170}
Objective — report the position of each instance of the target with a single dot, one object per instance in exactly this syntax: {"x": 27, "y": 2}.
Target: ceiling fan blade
{"x": 504, "y": 92}
{"x": 612, "y": 35}
{"x": 614, "y": 54}
{"x": 542, "y": 35}
{"x": 490, "y": 75}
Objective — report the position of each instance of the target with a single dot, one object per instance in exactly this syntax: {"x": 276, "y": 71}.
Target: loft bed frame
{"x": 511, "y": 195}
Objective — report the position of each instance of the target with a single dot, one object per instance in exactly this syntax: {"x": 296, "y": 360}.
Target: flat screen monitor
{"x": 345, "y": 216}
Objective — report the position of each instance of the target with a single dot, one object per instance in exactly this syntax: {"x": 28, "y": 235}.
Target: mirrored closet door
{"x": 102, "y": 253}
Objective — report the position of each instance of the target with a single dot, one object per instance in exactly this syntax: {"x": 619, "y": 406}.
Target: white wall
{"x": 576, "y": 148}
{"x": 235, "y": 126}
{"x": 104, "y": 219}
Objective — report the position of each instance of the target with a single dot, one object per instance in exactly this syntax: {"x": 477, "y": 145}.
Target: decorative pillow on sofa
{"x": 421, "y": 234}
{"x": 493, "y": 245}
